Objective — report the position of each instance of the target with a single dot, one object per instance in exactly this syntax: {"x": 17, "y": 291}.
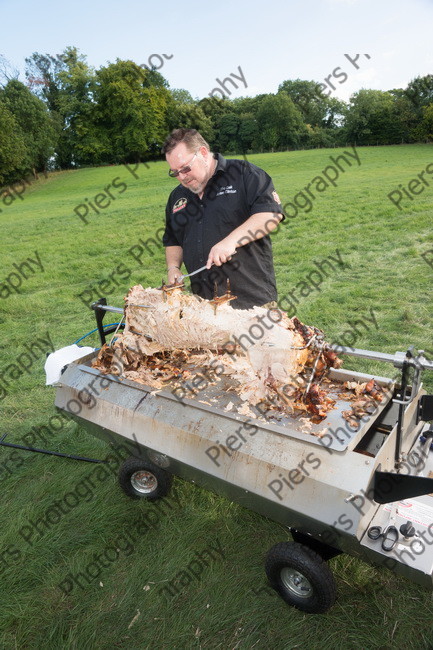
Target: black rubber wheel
{"x": 141, "y": 479}
{"x": 301, "y": 577}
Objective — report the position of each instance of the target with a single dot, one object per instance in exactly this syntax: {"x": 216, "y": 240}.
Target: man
{"x": 222, "y": 209}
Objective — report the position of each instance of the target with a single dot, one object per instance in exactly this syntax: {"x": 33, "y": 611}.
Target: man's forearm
{"x": 173, "y": 258}
{"x": 255, "y": 227}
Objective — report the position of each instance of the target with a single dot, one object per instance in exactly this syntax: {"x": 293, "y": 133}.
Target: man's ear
{"x": 204, "y": 152}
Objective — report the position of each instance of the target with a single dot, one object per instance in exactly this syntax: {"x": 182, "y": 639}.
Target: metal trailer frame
{"x": 331, "y": 492}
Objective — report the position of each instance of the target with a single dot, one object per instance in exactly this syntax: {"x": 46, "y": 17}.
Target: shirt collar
{"x": 221, "y": 163}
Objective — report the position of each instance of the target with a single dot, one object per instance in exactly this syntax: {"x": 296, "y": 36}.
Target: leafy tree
{"x": 248, "y": 132}
{"x": 406, "y": 118}
{"x": 335, "y": 112}
{"x": 118, "y": 113}
{"x": 154, "y": 79}
{"x": 247, "y": 109}
{"x": 181, "y": 96}
{"x": 42, "y": 76}
{"x": 81, "y": 142}
{"x": 420, "y": 92}
{"x": 215, "y": 108}
{"x": 370, "y": 118}
{"x": 123, "y": 111}
{"x": 318, "y": 137}
{"x": 228, "y": 136}
{"x": 308, "y": 98}
{"x": 424, "y": 131}
{"x": 280, "y": 123}
{"x": 183, "y": 111}
{"x": 249, "y": 105}
{"x": 12, "y": 147}
{"x": 64, "y": 82}
{"x": 34, "y": 122}
{"x": 130, "y": 111}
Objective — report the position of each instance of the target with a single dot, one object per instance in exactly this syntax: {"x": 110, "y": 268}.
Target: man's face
{"x": 199, "y": 161}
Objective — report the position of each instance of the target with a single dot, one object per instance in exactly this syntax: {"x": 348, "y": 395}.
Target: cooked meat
{"x": 268, "y": 355}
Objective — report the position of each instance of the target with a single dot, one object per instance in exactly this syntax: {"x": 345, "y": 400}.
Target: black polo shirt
{"x": 237, "y": 190}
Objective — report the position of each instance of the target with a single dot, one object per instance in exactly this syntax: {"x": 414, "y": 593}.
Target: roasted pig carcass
{"x": 179, "y": 321}
{"x": 266, "y": 353}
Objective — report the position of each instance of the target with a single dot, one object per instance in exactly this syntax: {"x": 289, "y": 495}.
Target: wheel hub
{"x": 295, "y": 582}
{"x": 144, "y": 482}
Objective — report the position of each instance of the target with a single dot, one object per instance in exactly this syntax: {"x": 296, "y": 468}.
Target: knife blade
{"x": 202, "y": 268}
{"x": 188, "y": 275}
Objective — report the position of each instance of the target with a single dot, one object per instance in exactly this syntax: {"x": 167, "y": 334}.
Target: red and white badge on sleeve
{"x": 276, "y": 197}
{"x": 180, "y": 204}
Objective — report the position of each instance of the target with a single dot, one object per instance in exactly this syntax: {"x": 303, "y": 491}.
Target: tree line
{"x": 70, "y": 115}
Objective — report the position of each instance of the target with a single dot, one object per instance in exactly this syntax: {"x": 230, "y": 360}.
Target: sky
{"x": 256, "y": 43}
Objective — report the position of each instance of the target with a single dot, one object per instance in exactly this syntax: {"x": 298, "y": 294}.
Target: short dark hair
{"x": 191, "y": 137}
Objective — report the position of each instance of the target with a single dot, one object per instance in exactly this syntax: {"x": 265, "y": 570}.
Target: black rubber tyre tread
{"x": 309, "y": 564}
{"x": 133, "y": 464}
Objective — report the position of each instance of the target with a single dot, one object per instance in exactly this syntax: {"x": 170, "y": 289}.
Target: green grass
{"x": 384, "y": 272}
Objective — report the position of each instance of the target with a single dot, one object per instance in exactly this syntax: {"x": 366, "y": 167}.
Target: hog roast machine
{"x": 366, "y": 492}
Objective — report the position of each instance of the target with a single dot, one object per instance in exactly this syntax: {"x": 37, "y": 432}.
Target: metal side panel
{"x": 310, "y": 481}
{"x": 321, "y": 522}
{"x": 412, "y": 557}
{"x": 290, "y": 477}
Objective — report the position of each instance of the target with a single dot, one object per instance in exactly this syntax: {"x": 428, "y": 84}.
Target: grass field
{"x": 228, "y": 606}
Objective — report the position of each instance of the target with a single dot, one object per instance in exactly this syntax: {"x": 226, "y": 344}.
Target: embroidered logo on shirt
{"x": 276, "y": 197}
{"x": 227, "y": 189}
{"x": 180, "y": 204}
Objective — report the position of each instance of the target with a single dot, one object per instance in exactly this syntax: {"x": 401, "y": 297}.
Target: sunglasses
{"x": 185, "y": 170}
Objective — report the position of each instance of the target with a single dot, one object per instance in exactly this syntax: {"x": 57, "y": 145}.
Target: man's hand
{"x": 173, "y": 273}
{"x": 221, "y": 253}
